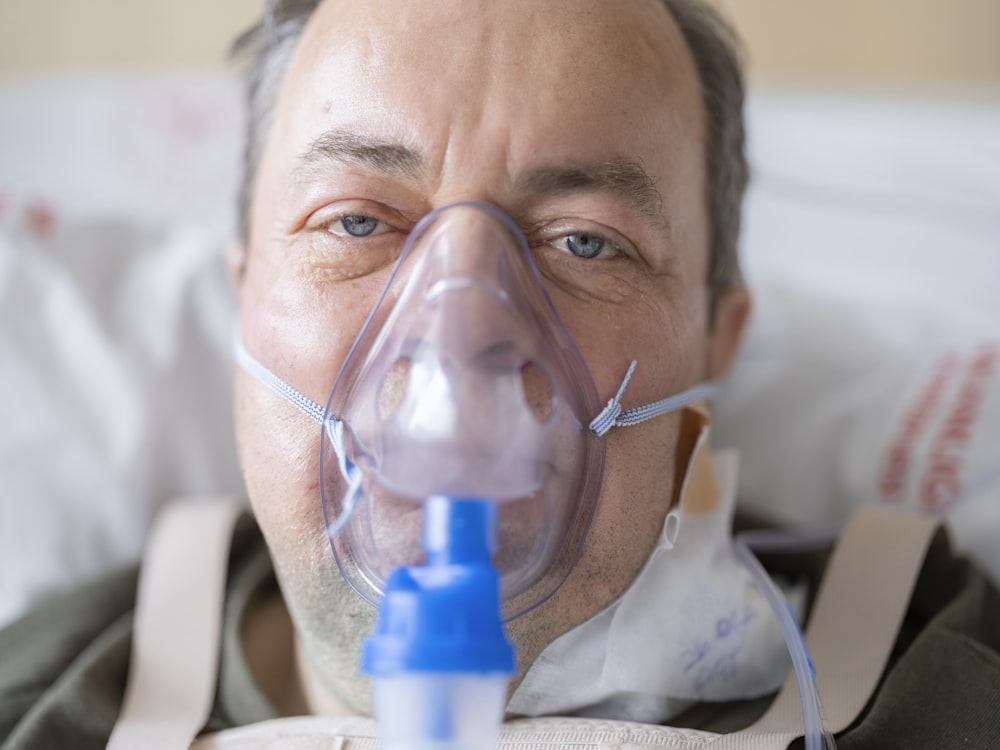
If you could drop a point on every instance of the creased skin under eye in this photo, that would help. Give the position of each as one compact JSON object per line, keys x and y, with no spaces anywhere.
{"x":349,"y":244}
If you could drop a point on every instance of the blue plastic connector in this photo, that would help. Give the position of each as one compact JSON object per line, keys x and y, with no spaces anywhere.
{"x":444,"y":616}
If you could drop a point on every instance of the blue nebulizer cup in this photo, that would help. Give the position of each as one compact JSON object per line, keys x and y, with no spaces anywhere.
{"x":439,"y":659}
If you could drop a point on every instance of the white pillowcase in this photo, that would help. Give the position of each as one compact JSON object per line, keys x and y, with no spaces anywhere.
{"x":116,"y":396}
{"x":871,"y":370}
{"x":116,"y":200}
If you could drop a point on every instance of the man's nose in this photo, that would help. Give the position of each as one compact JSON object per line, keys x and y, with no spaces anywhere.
{"x":473,"y":276}
{"x":471,"y":242}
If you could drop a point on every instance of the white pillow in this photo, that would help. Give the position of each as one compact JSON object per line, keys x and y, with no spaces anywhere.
{"x":116,"y":394}
{"x":871,"y":370}
{"x":115,"y":316}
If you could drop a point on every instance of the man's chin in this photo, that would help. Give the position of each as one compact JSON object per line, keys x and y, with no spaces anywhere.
{"x":330,"y":629}
{"x":332,"y":623}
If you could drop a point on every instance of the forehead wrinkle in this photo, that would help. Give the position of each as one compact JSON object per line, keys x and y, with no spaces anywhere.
{"x":621,"y":178}
{"x":346,"y":147}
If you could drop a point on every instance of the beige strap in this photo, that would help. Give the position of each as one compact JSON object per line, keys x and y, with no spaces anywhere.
{"x":859,"y":608}
{"x":544,"y":733}
{"x":853,"y":625}
{"x":178,"y":620}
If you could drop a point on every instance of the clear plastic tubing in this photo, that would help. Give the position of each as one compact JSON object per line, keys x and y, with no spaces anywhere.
{"x":816,"y":737}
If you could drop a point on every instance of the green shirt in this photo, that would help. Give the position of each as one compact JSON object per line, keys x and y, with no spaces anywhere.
{"x":63,"y":667}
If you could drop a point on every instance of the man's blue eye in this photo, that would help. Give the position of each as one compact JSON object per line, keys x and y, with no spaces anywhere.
{"x":584,"y":245}
{"x":359,"y":226}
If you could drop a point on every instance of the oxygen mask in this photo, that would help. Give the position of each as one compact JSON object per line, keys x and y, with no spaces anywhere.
{"x":463,"y":383}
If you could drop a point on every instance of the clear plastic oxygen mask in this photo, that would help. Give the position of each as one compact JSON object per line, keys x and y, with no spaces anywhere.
{"x":463,"y":383}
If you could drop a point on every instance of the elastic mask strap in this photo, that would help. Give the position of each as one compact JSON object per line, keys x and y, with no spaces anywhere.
{"x":333,"y":426}
{"x":613,"y":416}
{"x":245,"y":360}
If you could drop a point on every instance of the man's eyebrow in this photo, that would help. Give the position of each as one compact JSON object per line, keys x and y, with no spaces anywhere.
{"x":625,"y":179}
{"x":344,"y":146}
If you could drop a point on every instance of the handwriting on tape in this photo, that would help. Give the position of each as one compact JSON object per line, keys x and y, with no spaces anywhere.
{"x":716,"y":657}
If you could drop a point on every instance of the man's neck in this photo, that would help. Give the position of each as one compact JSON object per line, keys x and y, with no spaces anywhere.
{"x":280,"y":665}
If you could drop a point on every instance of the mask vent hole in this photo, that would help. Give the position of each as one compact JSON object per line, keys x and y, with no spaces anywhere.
{"x":393,"y":390}
{"x":537,"y":391}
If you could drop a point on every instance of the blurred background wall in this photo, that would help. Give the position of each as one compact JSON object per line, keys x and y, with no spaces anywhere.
{"x":879,"y":39}
{"x":55,"y":35}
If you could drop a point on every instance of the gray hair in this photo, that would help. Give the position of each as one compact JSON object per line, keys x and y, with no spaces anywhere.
{"x":717,"y":55}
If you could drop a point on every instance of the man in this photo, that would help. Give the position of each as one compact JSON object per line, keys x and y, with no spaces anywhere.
{"x":594,"y":124}
{"x":611,"y":133}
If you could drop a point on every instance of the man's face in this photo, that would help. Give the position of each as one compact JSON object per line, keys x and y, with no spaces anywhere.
{"x":562,"y":113}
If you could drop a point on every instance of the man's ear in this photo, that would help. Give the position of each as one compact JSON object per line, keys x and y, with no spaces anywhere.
{"x":236,"y":260}
{"x":729,"y":319}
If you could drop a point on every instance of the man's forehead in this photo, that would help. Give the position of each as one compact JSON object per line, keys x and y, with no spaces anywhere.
{"x":518,"y":15}
{"x":602,"y":41}
{"x":568,"y":64}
